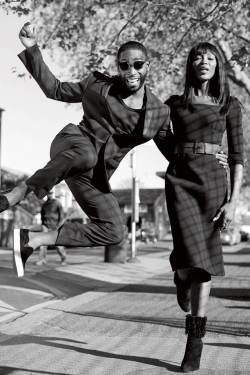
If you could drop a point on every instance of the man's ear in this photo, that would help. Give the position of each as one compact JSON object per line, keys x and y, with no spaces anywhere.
{"x":147,"y":65}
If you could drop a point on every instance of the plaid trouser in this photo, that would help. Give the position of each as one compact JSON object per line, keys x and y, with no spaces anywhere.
{"x":73,"y":157}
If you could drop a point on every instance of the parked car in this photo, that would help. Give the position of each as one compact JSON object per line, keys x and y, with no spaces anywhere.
{"x":245,"y":232}
{"x":148,"y":236}
{"x":230,"y":236}
{"x":168,"y":236}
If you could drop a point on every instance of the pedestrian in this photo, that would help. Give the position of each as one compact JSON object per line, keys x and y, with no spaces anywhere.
{"x":52,"y":217}
{"x":196,"y":186}
{"x":120,"y":112}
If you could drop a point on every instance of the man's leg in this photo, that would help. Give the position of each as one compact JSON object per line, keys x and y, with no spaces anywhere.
{"x":70,"y":153}
{"x":42,"y":256}
{"x":42,"y":250}
{"x":62,"y":254}
{"x":105,"y":226}
{"x":106,"y":222}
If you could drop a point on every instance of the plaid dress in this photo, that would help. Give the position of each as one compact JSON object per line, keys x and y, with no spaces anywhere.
{"x":196,"y":184}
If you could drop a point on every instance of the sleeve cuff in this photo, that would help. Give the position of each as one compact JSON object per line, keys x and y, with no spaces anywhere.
{"x":235,"y":159}
{"x":31,"y":50}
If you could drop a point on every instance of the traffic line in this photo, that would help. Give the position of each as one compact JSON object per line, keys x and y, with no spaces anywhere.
{"x":5,"y":306}
{"x":19,"y":313}
{"x":27,"y":290}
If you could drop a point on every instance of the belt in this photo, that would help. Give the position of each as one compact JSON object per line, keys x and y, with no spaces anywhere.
{"x":196,"y":148}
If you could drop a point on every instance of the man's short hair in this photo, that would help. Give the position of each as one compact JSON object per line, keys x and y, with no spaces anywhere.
{"x":132,"y":44}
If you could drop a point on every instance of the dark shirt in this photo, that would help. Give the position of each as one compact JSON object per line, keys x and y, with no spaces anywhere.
{"x":51,"y":212}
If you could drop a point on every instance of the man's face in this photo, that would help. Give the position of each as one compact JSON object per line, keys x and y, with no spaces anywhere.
{"x":50,"y":195}
{"x":133,"y":68}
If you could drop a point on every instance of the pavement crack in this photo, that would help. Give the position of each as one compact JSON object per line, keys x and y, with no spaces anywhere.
{"x":14,"y":319}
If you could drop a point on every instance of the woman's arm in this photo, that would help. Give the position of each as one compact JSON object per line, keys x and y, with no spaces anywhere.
{"x":235,"y":151}
{"x":236,"y":176}
{"x":32,"y":59}
{"x":226,"y":214}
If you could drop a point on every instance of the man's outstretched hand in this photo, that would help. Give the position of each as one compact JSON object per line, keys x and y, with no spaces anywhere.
{"x":27,"y":35}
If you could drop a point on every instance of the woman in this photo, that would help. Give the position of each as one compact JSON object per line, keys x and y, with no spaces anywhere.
{"x":196,"y":186}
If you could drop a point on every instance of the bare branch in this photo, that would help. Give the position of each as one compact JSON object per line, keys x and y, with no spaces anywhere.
{"x":153,"y":24}
{"x":202,"y":19}
{"x":239,"y":75}
{"x":129,"y":22}
{"x":206,"y":15}
{"x":231,"y":31}
{"x":64,"y":9}
{"x":179,"y":44}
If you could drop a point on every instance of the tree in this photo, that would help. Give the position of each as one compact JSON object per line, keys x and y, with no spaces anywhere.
{"x":84,"y":35}
{"x":90,"y":32}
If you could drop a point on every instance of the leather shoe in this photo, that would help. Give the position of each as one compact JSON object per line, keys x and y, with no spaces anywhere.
{"x":4,"y":203}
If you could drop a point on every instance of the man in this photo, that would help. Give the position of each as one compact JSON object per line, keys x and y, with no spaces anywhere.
{"x":120,"y":113}
{"x":52,"y":217}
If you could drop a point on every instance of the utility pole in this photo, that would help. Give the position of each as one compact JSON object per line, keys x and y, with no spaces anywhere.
{"x":135,"y":205}
{"x":1,"y":110}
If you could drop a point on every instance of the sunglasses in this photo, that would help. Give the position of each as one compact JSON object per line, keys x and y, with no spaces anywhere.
{"x":137,"y":65}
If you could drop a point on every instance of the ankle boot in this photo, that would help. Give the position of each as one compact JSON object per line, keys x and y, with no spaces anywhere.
{"x":195,"y":329}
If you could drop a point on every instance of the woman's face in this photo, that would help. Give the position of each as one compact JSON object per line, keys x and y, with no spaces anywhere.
{"x":204,"y":65}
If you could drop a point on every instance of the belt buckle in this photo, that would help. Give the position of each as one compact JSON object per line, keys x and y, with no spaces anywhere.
{"x":199,"y":148}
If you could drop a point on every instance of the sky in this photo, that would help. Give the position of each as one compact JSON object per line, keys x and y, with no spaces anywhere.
{"x":30,"y":121}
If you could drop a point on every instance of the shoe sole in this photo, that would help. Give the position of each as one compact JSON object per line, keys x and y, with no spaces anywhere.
{"x":17,"y":260}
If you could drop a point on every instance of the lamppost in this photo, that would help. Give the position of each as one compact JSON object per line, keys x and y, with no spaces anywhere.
{"x":135,"y":205}
{"x":1,"y":110}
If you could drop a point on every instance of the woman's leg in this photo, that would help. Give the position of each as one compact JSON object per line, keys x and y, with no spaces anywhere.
{"x":196,"y":322}
{"x":200,"y":292}
{"x":182,"y":280}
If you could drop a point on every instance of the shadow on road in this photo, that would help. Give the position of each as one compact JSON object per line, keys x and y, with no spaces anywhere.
{"x":57,"y":342}
{"x":216,"y":326}
{"x":239,"y":264}
{"x":6,"y":370}
{"x":229,"y":345}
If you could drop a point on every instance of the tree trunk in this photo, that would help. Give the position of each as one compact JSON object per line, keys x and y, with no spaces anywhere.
{"x":116,"y":253}
{"x":237,"y":74}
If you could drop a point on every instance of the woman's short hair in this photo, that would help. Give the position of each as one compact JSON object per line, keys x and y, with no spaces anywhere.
{"x":132,"y":44}
{"x":218,"y":85}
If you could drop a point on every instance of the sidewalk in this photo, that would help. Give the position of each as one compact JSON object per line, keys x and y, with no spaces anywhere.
{"x":128,"y":322}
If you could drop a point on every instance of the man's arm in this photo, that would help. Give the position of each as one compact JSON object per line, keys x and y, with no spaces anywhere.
{"x":165,"y":139}
{"x":32,"y":59}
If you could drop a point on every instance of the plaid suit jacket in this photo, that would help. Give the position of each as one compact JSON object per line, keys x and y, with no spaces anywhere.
{"x":98,"y":121}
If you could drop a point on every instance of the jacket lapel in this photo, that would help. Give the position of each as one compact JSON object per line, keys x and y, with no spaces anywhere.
{"x":150,"y":103}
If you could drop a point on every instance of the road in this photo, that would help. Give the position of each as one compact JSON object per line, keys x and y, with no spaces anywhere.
{"x":43,"y":285}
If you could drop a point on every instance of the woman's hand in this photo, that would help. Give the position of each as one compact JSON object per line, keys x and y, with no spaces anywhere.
{"x":226,"y":215}
{"x":222,"y":158}
{"x":27,"y":35}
